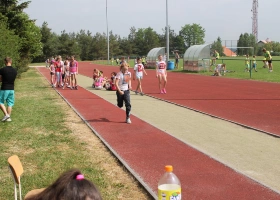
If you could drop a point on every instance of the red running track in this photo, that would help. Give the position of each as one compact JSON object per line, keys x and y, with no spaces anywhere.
{"x":145,"y":150}
{"x":250,"y":103}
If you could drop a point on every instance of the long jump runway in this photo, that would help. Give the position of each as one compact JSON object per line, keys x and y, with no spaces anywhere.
{"x":250,"y":103}
{"x":145,"y":150}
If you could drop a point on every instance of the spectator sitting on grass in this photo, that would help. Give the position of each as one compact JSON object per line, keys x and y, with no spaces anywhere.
{"x":220,"y":70}
{"x":71,"y":185}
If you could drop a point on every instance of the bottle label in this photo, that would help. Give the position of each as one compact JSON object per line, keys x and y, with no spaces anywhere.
{"x":170,"y":194}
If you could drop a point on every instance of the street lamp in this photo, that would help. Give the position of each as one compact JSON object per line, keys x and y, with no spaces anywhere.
{"x":167,"y":33}
{"x":107,"y":34}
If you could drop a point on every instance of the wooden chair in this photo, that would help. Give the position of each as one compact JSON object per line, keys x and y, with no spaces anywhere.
{"x":16,"y":169}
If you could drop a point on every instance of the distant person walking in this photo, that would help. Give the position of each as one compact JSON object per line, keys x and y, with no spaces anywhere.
{"x":268,"y":58}
{"x":254,"y":63}
{"x":161,"y":74}
{"x":216,"y":57}
{"x":177,"y":60}
{"x":7,"y":77}
{"x":73,"y":69}
{"x":247,"y":63}
{"x":138,"y":74}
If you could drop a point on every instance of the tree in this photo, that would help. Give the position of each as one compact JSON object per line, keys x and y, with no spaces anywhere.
{"x":176,"y":42}
{"x":85,"y":41}
{"x":145,"y":40}
{"x":217,"y":45}
{"x":114,"y":44}
{"x":246,"y":40}
{"x":99,"y":47}
{"x":28,"y":32}
{"x":68,"y":45}
{"x":8,"y":37}
{"x":240,"y":43}
{"x":192,"y":34}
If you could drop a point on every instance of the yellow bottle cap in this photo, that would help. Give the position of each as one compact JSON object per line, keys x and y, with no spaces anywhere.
{"x":168,"y":168}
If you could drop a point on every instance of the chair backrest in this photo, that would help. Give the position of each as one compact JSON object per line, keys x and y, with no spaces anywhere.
{"x":16,"y":167}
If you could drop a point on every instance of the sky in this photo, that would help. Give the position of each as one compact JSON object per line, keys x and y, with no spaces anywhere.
{"x":220,"y":18}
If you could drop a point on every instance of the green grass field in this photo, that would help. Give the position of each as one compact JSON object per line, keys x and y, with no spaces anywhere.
{"x":50,"y":140}
{"x":236,"y":64}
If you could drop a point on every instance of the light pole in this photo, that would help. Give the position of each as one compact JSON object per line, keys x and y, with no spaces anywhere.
{"x":108,"y":58}
{"x":167,"y":33}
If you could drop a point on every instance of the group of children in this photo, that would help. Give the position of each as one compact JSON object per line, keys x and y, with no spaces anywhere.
{"x":220,"y":69}
{"x":99,"y":81}
{"x":247,"y":63}
{"x":267,"y":62}
{"x":123,"y":82}
{"x":63,"y":73}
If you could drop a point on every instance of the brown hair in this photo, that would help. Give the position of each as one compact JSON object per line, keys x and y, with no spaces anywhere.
{"x":68,"y":187}
{"x":123,"y":65}
{"x":8,"y":60}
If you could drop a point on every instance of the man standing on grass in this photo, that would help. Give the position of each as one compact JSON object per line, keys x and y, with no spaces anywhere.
{"x":268,"y":58}
{"x":7,"y":77}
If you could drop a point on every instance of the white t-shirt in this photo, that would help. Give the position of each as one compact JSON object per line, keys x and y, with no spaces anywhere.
{"x":161,"y":67}
{"x":138,"y":68}
{"x":123,"y":80}
{"x":218,"y":67}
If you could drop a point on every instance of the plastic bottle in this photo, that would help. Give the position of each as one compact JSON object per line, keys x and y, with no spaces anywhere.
{"x":169,"y":186}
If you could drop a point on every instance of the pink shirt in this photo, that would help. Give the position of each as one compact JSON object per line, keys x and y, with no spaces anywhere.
{"x":73,"y":67}
{"x":52,"y":68}
{"x":98,"y":83}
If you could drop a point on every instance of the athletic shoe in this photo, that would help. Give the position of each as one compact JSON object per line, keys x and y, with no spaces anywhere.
{"x":141,"y":93}
{"x":164,"y":90}
{"x":136,"y":92}
{"x":71,"y":88}
{"x":76,"y":87}
{"x":68,"y":86}
{"x":128,"y":121}
{"x":5,"y":118}
{"x":9,"y":120}
{"x":161,"y":92}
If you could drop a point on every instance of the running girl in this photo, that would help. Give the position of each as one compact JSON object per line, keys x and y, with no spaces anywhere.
{"x":123,"y":84}
{"x":73,"y":68}
{"x":161,"y":74}
{"x":138,"y":73}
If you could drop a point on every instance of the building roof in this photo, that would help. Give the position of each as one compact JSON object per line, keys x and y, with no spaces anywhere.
{"x":229,"y":52}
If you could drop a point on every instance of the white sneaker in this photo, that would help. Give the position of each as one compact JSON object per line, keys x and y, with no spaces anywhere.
{"x":5,"y":118}
{"x":128,"y":121}
{"x":9,"y":120}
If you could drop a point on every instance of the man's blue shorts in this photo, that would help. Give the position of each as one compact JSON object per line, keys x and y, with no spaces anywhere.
{"x":8,"y":96}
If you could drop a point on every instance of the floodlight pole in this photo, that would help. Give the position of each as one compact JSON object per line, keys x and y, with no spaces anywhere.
{"x":108,"y":58}
{"x":167,"y":33}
